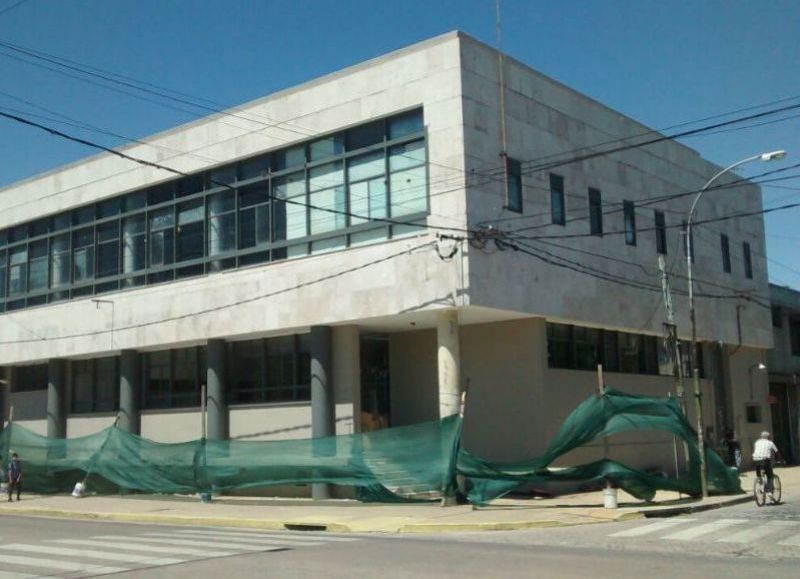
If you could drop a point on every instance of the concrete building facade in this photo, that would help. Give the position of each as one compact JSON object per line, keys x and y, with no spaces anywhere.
{"x":355,"y":252}
{"x":783,"y":366}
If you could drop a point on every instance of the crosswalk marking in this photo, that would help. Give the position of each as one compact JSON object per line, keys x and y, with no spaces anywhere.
{"x":167,"y":539}
{"x":694,"y":532}
{"x":285,"y":535}
{"x":62,"y":565}
{"x":99,"y":542}
{"x":287,"y":542}
{"x":791,"y":541}
{"x":652,"y":528}
{"x":757,"y":531}
{"x":91,"y":554}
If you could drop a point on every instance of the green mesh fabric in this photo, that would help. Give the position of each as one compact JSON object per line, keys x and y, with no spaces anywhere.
{"x":597,"y":417}
{"x":407,"y":463}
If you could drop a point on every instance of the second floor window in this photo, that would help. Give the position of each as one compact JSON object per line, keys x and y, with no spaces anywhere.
{"x":514,"y":183}
{"x":595,"y":212}
{"x":748,"y":260}
{"x":558,"y":212}
{"x":629,"y":215}
{"x":726,"y":253}
{"x":661,"y":233}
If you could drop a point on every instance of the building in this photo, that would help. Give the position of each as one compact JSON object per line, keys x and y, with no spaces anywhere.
{"x":783,"y":365}
{"x":311,"y":258}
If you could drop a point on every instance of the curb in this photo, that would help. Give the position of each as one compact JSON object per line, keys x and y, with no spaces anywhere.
{"x":682,"y":510}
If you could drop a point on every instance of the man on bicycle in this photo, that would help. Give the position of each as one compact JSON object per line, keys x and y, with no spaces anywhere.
{"x":764,"y":451}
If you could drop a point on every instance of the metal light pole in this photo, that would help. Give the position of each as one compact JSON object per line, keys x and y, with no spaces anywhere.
{"x":771,"y":156}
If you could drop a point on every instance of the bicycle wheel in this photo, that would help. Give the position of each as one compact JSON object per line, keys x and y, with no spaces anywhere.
{"x":758,"y":492}
{"x":775,"y":495}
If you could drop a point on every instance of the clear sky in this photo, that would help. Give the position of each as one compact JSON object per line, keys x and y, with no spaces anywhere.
{"x":660,"y":62}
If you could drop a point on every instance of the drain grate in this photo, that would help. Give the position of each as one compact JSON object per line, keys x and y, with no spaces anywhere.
{"x":304,"y":527}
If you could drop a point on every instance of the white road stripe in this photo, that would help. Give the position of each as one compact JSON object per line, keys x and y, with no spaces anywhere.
{"x":13,"y":575}
{"x":99,"y":542}
{"x":757,"y":531}
{"x":301,"y":536}
{"x":694,"y":532}
{"x":652,"y":528}
{"x":287,"y":542}
{"x":167,"y":539}
{"x":791,"y":541}
{"x":91,"y":554}
{"x":62,"y":565}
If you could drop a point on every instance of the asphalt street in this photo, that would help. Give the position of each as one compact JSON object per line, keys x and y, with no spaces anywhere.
{"x":740,"y":541}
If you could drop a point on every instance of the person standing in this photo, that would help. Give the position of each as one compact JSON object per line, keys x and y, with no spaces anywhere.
{"x":14,"y":475}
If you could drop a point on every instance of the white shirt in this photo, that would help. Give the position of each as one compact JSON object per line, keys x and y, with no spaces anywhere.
{"x":764,"y":449}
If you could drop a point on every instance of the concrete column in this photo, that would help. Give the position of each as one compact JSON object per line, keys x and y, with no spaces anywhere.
{"x":217,"y":406}
{"x":346,"y":364}
{"x":5,"y":387}
{"x":449,"y":362}
{"x":56,"y":391}
{"x":130,"y":378}
{"x":322,"y":422}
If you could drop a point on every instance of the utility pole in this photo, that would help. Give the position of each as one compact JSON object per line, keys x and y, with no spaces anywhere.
{"x":674,"y":350}
{"x":672,"y":331}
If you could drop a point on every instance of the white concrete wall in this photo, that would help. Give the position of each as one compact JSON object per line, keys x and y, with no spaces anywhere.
{"x":544,"y":118}
{"x":273,"y":422}
{"x":83,"y":425}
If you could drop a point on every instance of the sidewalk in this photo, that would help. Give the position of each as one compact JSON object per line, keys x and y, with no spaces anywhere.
{"x":343,"y":516}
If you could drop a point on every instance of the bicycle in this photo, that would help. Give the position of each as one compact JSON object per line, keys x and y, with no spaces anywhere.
{"x":760,"y":491}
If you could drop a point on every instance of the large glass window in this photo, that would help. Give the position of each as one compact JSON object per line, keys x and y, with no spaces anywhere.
{"x":271,"y":370}
{"x":174,"y":378}
{"x":361,"y":177}
{"x":408,"y":179}
{"x":162,"y":240}
{"x":190,"y":231}
{"x":37,"y":268}
{"x":29,"y":378}
{"x":108,"y":249}
{"x":83,"y":254}
{"x":60,"y":253}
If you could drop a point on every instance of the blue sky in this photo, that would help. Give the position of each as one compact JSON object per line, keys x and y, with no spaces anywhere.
{"x":660,"y":62}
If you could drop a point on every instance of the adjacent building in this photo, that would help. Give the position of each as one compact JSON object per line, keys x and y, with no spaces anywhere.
{"x":783,"y":365}
{"x":354,"y":252}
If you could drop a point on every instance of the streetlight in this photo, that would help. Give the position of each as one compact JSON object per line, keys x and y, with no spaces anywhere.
{"x":771,"y":156}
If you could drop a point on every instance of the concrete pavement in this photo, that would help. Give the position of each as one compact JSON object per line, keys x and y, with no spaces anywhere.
{"x":351,"y":516}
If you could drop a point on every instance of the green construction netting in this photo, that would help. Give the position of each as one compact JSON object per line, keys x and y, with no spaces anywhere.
{"x":597,"y":417}
{"x":410,"y":462}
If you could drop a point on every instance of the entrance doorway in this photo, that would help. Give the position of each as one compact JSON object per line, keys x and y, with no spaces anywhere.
{"x":781,"y":420}
{"x":375,"y":403}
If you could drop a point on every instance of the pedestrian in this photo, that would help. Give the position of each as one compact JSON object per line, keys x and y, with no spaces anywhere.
{"x":14,"y":475}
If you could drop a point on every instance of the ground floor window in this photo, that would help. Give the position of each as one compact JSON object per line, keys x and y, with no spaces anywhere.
{"x":95,"y":385}
{"x":579,"y":348}
{"x":28,"y":378}
{"x":270,"y":370}
{"x":174,"y":378}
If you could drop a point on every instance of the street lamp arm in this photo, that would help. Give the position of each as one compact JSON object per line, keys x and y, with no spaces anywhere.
{"x":714,"y":178}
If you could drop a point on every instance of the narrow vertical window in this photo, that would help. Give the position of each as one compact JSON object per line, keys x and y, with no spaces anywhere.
{"x":630,"y":222}
{"x":558,"y":211}
{"x":514,"y":179}
{"x":595,"y":212}
{"x":726,"y":253}
{"x":661,"y":233}
{"x":748,"y":261}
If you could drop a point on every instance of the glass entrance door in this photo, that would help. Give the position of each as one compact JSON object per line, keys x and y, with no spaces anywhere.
{"x":375,"y":406}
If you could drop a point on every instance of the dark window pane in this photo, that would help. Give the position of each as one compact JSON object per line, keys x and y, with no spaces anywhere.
{"x":107,"y":384}
{"x":748,"y":261}
{"x":83,"y":215}
{"x":365,"y":135}
{"x":514,"y":179}
{"x":558,"y":213}
{"x":587,"y":348}
{"x":221,"y":176}
{"x":661,"y":233}
{"x":327,"y":147}
{"x":595,"y":212}
{"x":161,"y":193}
{"x":629,"y":215}
{"x":61,"y":221}
{"x":288,"y":158}
{"x":158,"y":380}
{"x":190,"y":185}
{"x":135,"y":200}
{"x":559,"y":346}
{"x":406,"y":124}
{"x":255,"y":167}
{"x":109,"y":208}
{"x":82,"y":386}
{"x":726,"y":253}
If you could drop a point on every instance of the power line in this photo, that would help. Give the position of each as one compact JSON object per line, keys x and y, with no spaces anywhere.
{"x":57,"y":133}
{"x":10,"y":8}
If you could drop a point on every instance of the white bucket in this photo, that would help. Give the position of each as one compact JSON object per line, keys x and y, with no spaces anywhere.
{"x":610,"y":498}
{"x":77,"y":492}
